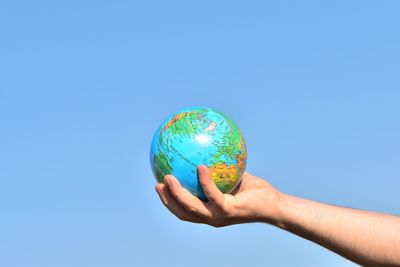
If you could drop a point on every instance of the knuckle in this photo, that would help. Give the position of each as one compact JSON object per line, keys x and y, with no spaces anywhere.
{"x":212,"y":198}
{"x":192,"y":209}
{"x":203,"y":184}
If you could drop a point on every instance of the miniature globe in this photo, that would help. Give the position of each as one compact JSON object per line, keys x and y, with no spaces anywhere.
{"x":199,"y":136}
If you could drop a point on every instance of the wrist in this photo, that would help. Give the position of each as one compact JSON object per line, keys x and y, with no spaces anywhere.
{"x":292,"y":212}
{"x":282,"y":211}
{"x":274,"y":211}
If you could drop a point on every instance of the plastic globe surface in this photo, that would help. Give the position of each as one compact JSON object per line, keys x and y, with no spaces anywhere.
{"x":199,"y":136}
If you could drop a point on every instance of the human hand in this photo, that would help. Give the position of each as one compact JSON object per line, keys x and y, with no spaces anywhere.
{"x":254,"y":200}
{"x":367,"y":238}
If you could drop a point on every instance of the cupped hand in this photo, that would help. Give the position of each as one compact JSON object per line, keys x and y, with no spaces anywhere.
{"x":254,"y":200}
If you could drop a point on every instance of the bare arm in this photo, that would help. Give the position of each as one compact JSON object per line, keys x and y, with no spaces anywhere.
{"x":367,"y":238}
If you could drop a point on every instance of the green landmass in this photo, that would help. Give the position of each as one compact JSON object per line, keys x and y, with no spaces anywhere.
{"x":187,"y":124}
{"x":161,"y":166}
{"x":230,"y":143}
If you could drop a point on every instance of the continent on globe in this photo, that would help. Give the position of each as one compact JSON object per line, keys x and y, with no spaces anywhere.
{"x":199,"y":136}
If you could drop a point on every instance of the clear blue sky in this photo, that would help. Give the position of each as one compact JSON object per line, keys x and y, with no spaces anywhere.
{"x":315,"y":88}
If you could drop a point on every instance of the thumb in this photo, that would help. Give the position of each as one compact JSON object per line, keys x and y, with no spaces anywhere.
{"x":210,"y":189}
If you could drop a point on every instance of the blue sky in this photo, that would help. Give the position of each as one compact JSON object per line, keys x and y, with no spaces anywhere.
{"x":313,"y":86}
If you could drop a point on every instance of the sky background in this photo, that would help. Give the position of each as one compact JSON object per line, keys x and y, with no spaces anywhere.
{"x":314,"y":87}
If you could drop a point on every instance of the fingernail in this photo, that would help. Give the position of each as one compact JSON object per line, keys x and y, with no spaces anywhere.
{"x":167,"y":179}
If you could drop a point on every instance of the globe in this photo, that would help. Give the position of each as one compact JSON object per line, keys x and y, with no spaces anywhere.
{"x":199,"y":136}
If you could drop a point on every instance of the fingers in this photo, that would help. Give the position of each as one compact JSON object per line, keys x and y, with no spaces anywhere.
{"x":172,"y":205}
{"x":186,"y":199}
{"x":210,"y":189}
{"x":218,"y":211}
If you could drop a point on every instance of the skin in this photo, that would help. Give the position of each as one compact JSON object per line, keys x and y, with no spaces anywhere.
{"x":367,"y":238}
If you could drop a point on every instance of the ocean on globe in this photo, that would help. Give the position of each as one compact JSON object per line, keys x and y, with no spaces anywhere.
{"x":199,"y":136}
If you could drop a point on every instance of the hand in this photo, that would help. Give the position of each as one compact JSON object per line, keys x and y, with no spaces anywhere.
{"x":254,"y":200}
{"x":367,"y":238}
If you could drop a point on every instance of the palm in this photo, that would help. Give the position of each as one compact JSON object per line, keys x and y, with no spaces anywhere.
{"x":253,"y":200}
{"x":254,"y":195}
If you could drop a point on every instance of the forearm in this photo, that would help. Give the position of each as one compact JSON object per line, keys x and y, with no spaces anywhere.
{"x":368,"y":238}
